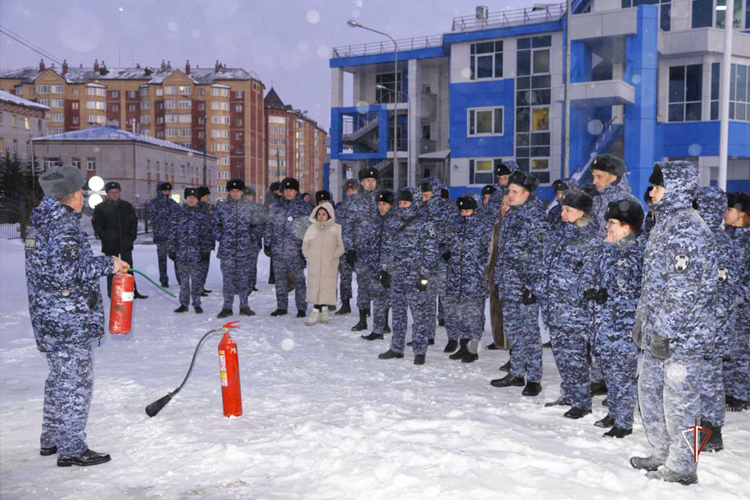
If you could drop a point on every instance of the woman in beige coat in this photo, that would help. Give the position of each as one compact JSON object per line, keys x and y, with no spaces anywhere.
{"x":322,"y":246}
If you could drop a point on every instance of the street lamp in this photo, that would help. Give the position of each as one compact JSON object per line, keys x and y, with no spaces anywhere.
{"x":354,"y":24}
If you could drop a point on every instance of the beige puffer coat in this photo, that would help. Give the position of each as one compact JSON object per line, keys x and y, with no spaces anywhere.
{"x":322,"y":246}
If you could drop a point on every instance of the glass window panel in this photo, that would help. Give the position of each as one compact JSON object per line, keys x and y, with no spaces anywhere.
{"x":484,"y":122}
{"x":676,"y":84}
{"x":740,"y":110}
{"x":499,"y":46}
{"x":636,"y":3}
{"x":483,"y":165}
{"x":523,"y":164}
{"x":483,"y":178}
{"x":715,"y":72}
{"x":542,"y":176}
{"x":484,"y":67}
{"x":665,"y":19}
{"x":540,"y":139}
{"x":694,"y":89}
{"x":715,"y":110}
{"x":522,"y":120}
{"x":540,"y":97}
{"x":541,"y":82}
{"x":732,"y":82}
{"x":541,"y":61}
{"x":540,"y":164}
{"x":702,"y":13}
{"x":485,"y":48}
{"x":625,"y":4}
{"x":523,"y":98}
{"x":676,"y":112}
{"x":498,"y":126}
{"x":499,"y":65}
{"x":541,"y":41}
{"x":471,"y":123}
{"x":540,"y":119}
{"x":523,"y":63}
{"x":523,"y":139}
{"x":741,"y":83}
{"x":522,"y":152}
{"x":473,"y":48}
{"x":523,"y":82}
{"x":524,"y":43}
{"x":731,"y":111}
{"x":540,"y":151}
{"x":473,"y":69}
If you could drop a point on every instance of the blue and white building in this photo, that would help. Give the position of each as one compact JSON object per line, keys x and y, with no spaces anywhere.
{"x":645,"y":80}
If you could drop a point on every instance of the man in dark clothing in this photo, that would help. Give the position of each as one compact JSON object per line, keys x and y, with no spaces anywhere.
{"x":116,"y":225}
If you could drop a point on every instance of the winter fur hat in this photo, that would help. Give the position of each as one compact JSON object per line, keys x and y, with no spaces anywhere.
{"x":405,"y":195}
{"x":575,"y":198}
{"x":656,"y":178}
{"x":625,"y":211}
{"x":112,"y":185}
{"x":192,"y":192}
{"x":445,"y":194}
{"x":275,"y":186}
{"x":236,"y":184}
{"x":164,"y":186}
{"x":590,"y":189}
{"x":351,"y":184}
{"x":386,"y":196}
{"x":368,"y":173}
{"x":502,"y":169}
{"x":740,"y":201}
{"x":559,"y":185}
{"x":488,"y":189}
{"x":466,"y":202}
{"x":203,"y":191}
{"x":322,"y":196}
{"x":59,"y":182}
{"x":526,"y":181}
{"x":290,"y":183}
{"x":249,"y":191}
{"x":610,"y":164}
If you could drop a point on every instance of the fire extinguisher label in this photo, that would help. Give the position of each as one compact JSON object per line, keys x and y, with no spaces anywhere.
{"x":128,"y":296}
{"x":224,"y":382}
{"x":223,"y":369}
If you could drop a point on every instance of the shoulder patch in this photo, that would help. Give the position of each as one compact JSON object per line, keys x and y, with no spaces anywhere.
{"x":540,"y":236}
{"x":723,"y":274}
{"x":30,"y":243}
{"x":681,"y":263}
{"x":71,"y":252}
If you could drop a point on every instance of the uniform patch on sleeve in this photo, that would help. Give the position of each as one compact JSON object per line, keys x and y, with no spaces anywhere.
{"x":681,"y":263}
{"x":71,"y":252}
{"x":30,"y":243}
{"x":540,"y":236}
{"x":723,"y":274}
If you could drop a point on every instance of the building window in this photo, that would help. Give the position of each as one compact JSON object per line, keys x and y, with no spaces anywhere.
{"x":533,"y":97}
{"x":238,"y":122}
{"x":486,"y":60}
{"x":58,"y":103}
{"x":96,"y":91}
{"x":665,"y":10}
{"x":13,"y":121}
{"x":51,"y":162}
{"x":145,"y":104}
{"x":186,"y":104}
{"x":145,"y":119}
{"x":74,"y":105}
{"x":184,"y":118}
{"x":58,"y":117}
{"x":58,"y":89}
{"x":171,"y":132}
{"x":185,"y":132}
{"x":77,"y":163}
{"x":484,"y":121}
{"x":238,"y":94}
{"x":185,"y":89}
{"x":131,"y":107}
{"x":277,"y":119}
{"x":27,"y":123}
{"x":114,"y":107}
{"x":223,"y":106}
{"x":91,"y":164}
{"x":171,"y":118}
{"x":19,"y":90}
{"x":384,"y":88}
{"x":146,"y":132}
{"x":238,"y":136}
{"x":170,"y":104}
{"x":75,"y":121}
{"x":96,"y":105}
{"x":202,"y":92}
{"x":43,"y":102}
{"x":201,"y":106}
{"x":116,"y":93}
{"x":685,"y":88}
{"x":42,"y":89}
{"x":220,"y":92}
{"x":739,"y":92}
{"x":170,"y":90}
{"x":182,"y":171}
{"x":238,"y":108}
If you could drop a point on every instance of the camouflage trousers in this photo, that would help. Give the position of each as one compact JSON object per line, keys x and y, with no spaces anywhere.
{"x":204,"y":272}
{"x":381,"y":302}
{"x":191,"y":282}
{"x":364,"y":285}
{"x":619,"y":362}
{"x":67,"y":398}
{"x":436,"y":289}
{"x":162,"y":253}
{"x":405,"y":296}
{"x":737,"y":369}
{"x":712,"y":391}
{"x":234,"y":281}
{"x":464,"y":318}
{"x":521,"y":327}
{"x":345,"y":285}
{"x":252,"y":271}
{"x":570,"y":349}
{"x":283,"y":265}
{"x":669,"y":396}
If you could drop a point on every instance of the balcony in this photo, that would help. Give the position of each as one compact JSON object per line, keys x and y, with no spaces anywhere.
{"x":599,"y":93}
{"x":505,"y":18}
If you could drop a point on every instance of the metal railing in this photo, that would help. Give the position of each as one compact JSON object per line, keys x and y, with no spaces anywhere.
{"x":10,"y":231}
{"x":385,"y":47}
{"x":502,"y":18}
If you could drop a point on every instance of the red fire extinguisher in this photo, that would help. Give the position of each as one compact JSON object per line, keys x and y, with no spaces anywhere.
{"x":229,"y":367}
{"x":121,"y":309}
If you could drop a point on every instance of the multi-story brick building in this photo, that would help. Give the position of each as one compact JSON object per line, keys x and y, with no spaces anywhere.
{"x":217,"y":108}
{"x":20,"y":121}
{"x":295,"y":145}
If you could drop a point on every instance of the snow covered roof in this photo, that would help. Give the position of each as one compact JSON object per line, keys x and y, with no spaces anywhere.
{"x":20,"y":101}
{"x":109,"y":134}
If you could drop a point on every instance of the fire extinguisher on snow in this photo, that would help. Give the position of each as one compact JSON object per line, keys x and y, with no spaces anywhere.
{"x":229,"y":371}
{"x":121,"y":308}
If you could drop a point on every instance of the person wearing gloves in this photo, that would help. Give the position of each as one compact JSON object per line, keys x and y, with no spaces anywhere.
{"x":322,"y":246}
{"x":160,"y":211}
{"x":674,"y":322}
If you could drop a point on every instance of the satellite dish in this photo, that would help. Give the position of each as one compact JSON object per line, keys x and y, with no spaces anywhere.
{"x":96,"y":183}
{"x":95,"y":199}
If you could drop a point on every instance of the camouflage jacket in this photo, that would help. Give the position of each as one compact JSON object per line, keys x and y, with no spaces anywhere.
{"x":160,"y":211}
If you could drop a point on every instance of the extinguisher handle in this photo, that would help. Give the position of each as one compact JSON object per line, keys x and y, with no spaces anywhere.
{"x":230,"y":325}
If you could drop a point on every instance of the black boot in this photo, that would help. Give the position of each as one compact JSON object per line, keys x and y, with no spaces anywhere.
{"x":279,"y":312}
{"x":224,"y":313}
{"x":246,"y":311}
{"x":617,"y":432}
{"x":441,"y":322}
{"x":373,"y":336}
{"x":451,"y":346}
{"x":367,"y":312}
{"x":507,"y":381}
{"x":390,"y":355}
{"x":88,"y":457}
{"x":471,"y":354}
{"x":598,"y":388}
{"x":606,"y":422}
{"x":46,"y":452}
{"x":533,"y":389}
{"x":576,"y":413}
{"x":715,"y":441}
{"x":362,"y":324}
{"x":386,"y":329}
{"x":419,"y":359}
{"x":198,"y":310}
{"x":344,"y":309}
{"x":181,"y":309}
{"x":301,"y":313}
{"x":462,"y":350}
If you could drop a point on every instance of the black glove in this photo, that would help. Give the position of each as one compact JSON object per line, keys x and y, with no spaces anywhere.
{"x":447,"y":255}
{"x":637,"y":332}
{"x":601,"y":296}
{"x":351,"y":258}
{"x":422,"y":283}
{"x":659,"y":347}
{"x":528,"y":297}
{"x":267,"y":250}
{"x":205,"y":257}
{"x":589,"y":294}
{"x":172,"y":255}
{"x":385,"y":279}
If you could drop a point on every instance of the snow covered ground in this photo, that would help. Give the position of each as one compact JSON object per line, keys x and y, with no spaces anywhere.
{"x":323,"y":417}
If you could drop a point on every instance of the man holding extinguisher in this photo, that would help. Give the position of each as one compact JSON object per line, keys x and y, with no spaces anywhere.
{"x":62,"y":276}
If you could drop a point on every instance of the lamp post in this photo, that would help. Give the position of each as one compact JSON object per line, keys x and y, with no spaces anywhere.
{"x":354,"y":24}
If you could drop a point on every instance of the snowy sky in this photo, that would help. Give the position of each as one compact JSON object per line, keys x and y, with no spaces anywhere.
{"x":286,"y":42}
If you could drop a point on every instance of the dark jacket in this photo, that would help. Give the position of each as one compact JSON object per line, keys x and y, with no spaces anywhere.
{"x":116,"y":225}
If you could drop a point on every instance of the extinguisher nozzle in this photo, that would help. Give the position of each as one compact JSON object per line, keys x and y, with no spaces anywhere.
{"x":156,"y":406}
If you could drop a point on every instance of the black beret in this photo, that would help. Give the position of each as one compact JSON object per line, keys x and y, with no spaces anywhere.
{"x":236,"y":184}
{"x":163,"y":186}
{"x":610,"y":164}
{"x":488,"y":189}
{"x":368,"y":173}
{"x":192,"y":192}
{"x":405,"y":195}
{"x":502,"y":169}
{"x":59,"y":182}
{"x":112,"y":185}
{"x":466,"y":202}
{"x":526,"y":181}
{"x":741,"y":201}
{"x":445,"y":194}
{"x":275,"y":186}
{"x":321,"y":196}
{"x":386,"y":196}
{"x":203,"y":191}
{"x":351,"y":184}
{"x":575,"y":198}
{"x":656,"y":178}
{"x":647,"y":195}
{"x":290,"y":183}
{"x":559,"y":185}
{"x":625,"y":211}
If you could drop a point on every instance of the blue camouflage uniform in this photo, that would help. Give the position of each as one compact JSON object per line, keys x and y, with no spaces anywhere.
{"x":260,"y":214}
{"x":466,"y":287}
{"x":616,"y":268}
{"x":384,"y":228}
{"x":520,"y":248}
{"x":285,"y":229}
{"x":160,"y":211}
{"x":345,"y":271}
{"x":238,"y":233}
{"x":191,"y":239}
{"x":413,"y":252}
{"x":65,"y":306}
{"x":566,"y":250}
{"x":360,"y":215}
{"x":618,"y":190}
{"x":675,"y":319}
{"x":205,"y":264}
